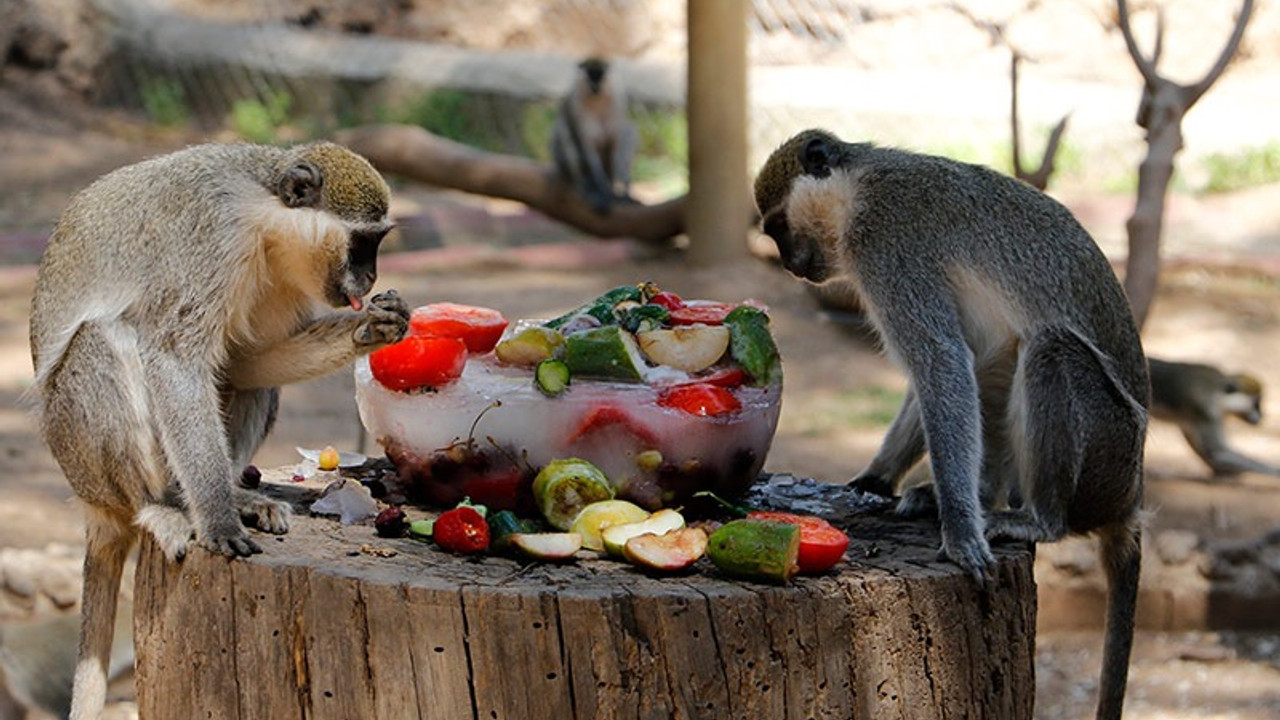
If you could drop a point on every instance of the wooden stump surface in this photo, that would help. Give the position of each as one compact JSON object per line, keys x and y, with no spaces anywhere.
{"x":331,"y":621}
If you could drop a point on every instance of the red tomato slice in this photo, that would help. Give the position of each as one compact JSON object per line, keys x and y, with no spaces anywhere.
{"x":822,"y":544}
{"x":461,"y":530}
{"x":700,"y":311}
{"x":419,"y":361}
{"x":730,"y":377}
{"x":607,"y":416}
{"x":708,"y":312}
{"x":479,"y":327}
{"x":699,"y":399}
{"x":670,"y":301}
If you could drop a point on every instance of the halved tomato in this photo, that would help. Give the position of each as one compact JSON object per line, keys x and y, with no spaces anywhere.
{"x":822,"y":544}
{"x":668,"y":300}
{"x":419,"y":361}
{"x":707,"y":312}
{"x":699,"y":399}
{"x":479,"y":327}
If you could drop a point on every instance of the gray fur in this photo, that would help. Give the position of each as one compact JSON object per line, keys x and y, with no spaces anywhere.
{"x":592,"y":140}
{"x":1028,"y":384}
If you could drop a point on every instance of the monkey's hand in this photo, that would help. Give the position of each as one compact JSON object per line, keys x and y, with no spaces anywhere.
{"x":227,"y":538}
{"x":386,"y":319}
{"x":874,"y":483}
{"x":970,"y":551}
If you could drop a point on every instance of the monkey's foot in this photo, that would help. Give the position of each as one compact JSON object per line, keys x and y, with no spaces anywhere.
{"x":1019,"y":525}
{"x":385,"y":321}
{"x":228,"y":539}
{"x":169,"y":526}
{"x":917,"y":502}
{"x":262,"y":512}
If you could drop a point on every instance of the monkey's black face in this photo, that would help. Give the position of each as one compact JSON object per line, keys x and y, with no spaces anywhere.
{"x":361,"y":267}
{"x":798,"y":256}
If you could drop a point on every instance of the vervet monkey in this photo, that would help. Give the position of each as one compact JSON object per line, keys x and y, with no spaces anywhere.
{"x":592,"y":140}
{"x":175,"y":296}
{"x":1023,"y":360}
{"x":1198,"y":398}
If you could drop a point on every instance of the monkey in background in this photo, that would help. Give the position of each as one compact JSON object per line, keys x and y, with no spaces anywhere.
{"x":1024,"y":362}
{"x":592,"y":140}
{"x":1198,"y":398}
{"x":174,"y":298}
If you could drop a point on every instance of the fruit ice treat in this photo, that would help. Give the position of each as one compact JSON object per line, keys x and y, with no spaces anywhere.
{"x":666,"y":396}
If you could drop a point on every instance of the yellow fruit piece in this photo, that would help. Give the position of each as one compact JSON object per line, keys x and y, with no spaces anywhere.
{"x":328,"y":458}
{"x":663,"y":521}
{"x":596,"y":517}
{"x":691,"y":348}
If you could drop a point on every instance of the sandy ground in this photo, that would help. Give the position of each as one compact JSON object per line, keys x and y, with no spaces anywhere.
{"x":839,"y":395}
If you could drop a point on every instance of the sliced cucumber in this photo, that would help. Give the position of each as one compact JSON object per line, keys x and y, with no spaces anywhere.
{"x":565,"y":486}
{"x":605,"y":352}
{"x":551,"y":377}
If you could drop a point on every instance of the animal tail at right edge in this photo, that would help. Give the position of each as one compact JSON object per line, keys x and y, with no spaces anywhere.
{"x":106,"y":550}
{"x":1121,"y":551}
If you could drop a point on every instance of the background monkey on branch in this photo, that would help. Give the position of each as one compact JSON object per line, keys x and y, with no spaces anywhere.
{"x":592,"y":140}
{"x":174,"y":298}
{"x":1027,"y":377}
{"x":1198,"y":398}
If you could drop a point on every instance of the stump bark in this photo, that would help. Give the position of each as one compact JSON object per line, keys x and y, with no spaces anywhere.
{"x":331,"y":621}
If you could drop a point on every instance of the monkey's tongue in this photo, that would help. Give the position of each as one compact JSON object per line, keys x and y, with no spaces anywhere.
{"x":357,"y":303}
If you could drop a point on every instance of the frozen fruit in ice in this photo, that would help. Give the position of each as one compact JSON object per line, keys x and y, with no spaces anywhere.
{"x":530,"y":346}
{"x":607,"y":352}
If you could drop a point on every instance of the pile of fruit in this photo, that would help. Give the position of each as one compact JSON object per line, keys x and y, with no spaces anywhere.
{"x":578,"y":512}
{"x":668,"y":396}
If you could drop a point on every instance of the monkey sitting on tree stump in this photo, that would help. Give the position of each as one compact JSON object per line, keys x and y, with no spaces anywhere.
{"x":1028,"y":385}
{"x":174,"y":298}
{"x":592,"y":140}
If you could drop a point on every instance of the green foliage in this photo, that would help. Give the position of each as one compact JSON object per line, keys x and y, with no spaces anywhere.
{"x":453,"y":114}
{"x":260,"y":122}
{"x":662,"y":147}
{"x":1246,"y":168}
{"x":165,"y":102}
{"x":535,"y":129}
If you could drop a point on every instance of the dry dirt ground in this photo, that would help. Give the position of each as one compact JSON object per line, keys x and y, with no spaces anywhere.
{"x":839,"y":393}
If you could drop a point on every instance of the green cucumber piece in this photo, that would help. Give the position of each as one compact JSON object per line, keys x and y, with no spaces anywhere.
{"x":601,"y":308}
{"x":502,"y":525}
{"x":642,"y":318}
{"x":756,"y":550}
{"x":551,"y":377}
{"x":751,"y":344}
{"x":605,"y":352}
{"x":421,"y":529}
{"x":565,"y":486}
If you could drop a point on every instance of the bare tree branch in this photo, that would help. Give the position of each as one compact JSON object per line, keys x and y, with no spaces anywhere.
{"x":1146,"y":67}
{"x":1038,"y":178}
{"x":1228,"y":52}
{"x":414,"y":153}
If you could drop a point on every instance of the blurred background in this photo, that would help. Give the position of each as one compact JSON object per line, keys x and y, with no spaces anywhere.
{"x":89,"y":85}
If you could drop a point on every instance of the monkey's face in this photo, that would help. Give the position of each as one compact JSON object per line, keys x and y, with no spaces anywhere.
{"x":353,"y":198}
{"x":1242,"y":397}
{"x":807,"y":201}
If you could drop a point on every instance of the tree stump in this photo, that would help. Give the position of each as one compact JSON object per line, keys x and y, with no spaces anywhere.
{"x":331,"y":621}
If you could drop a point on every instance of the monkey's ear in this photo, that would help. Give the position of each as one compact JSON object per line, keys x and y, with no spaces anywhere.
{"x":300,"y":186}
{"x":816,"y":157}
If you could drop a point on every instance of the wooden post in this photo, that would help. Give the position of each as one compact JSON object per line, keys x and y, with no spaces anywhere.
{"x":331,"y":621}
{"x":720,"y":207}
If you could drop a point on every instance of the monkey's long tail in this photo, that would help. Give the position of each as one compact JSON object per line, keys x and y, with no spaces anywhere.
{"x":108,"y":543}
{"x":1121,"y":551}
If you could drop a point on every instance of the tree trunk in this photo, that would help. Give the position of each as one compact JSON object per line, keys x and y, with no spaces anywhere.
{"x":1146,"y":226}
{"x":321,"y":625}
{"x":413,"y":153}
